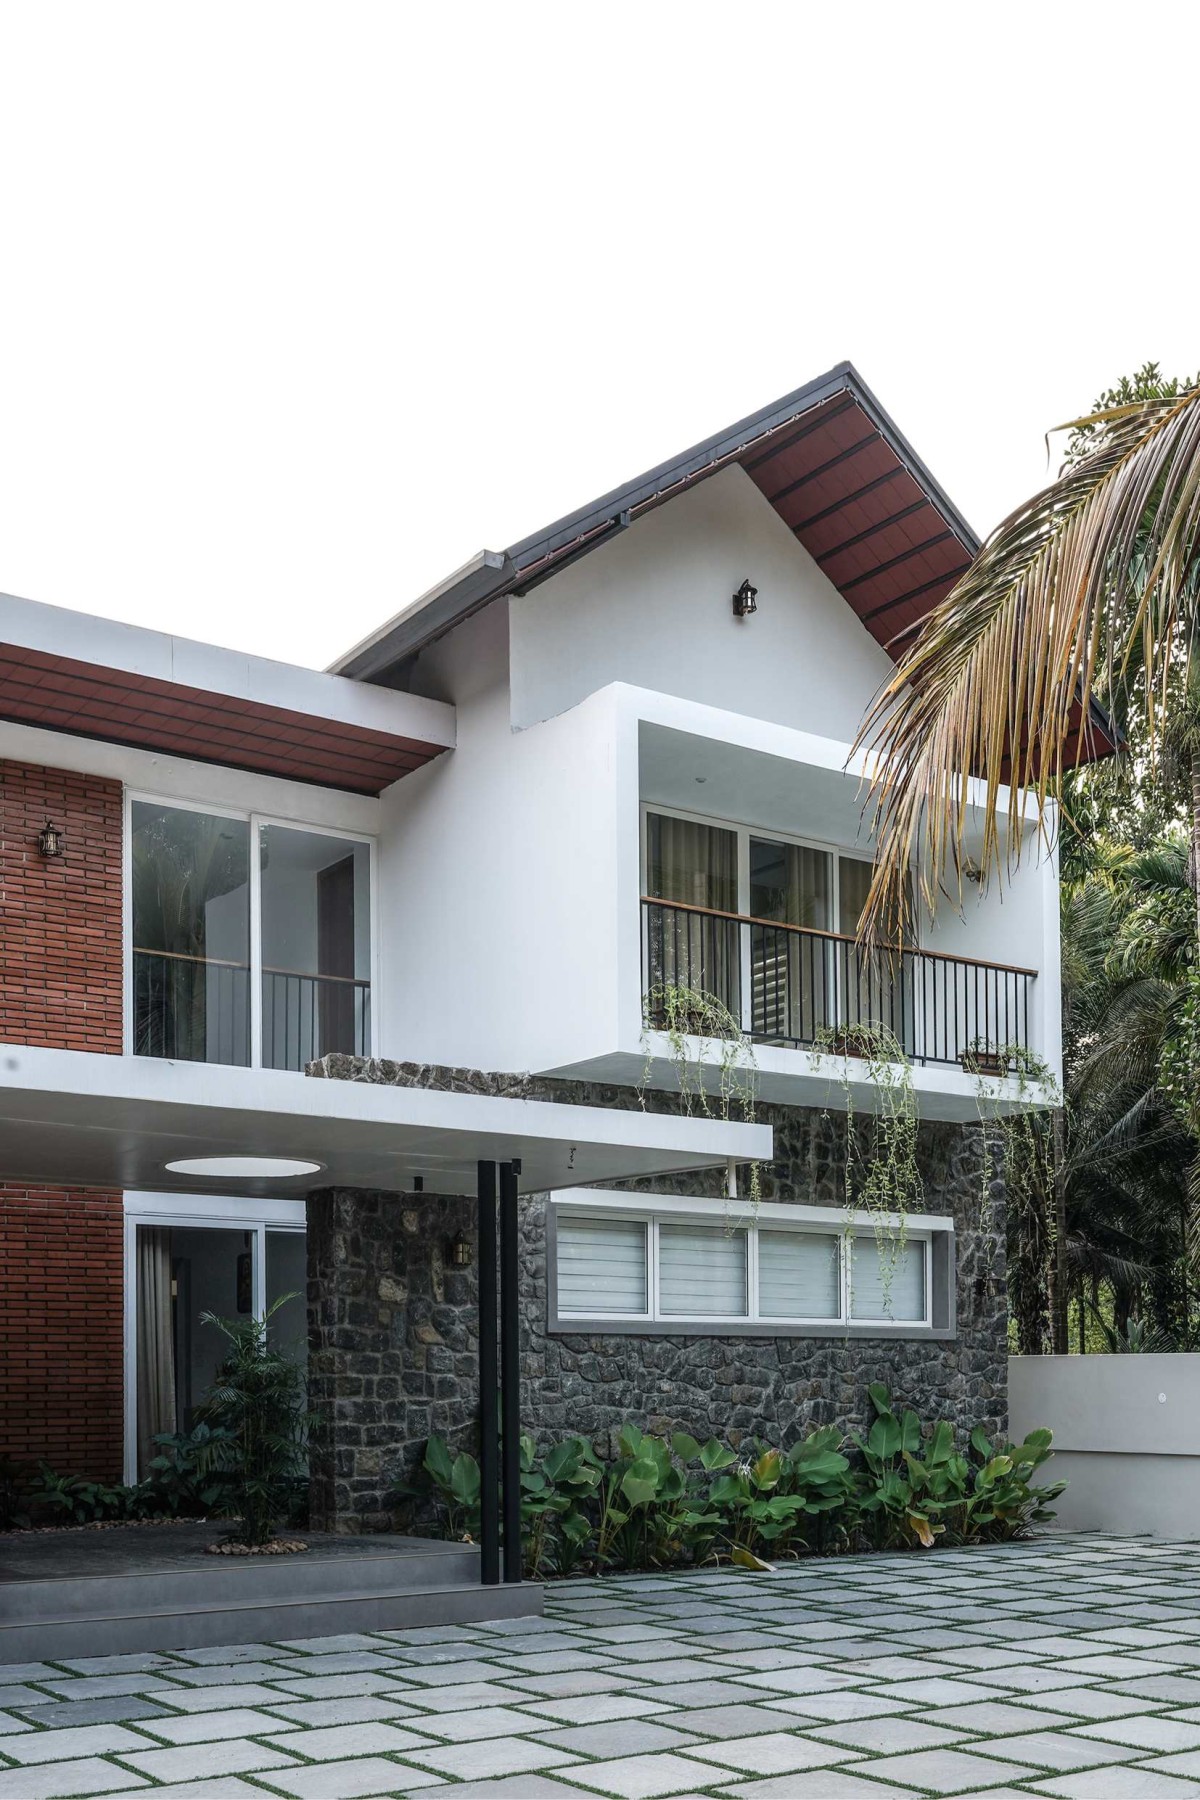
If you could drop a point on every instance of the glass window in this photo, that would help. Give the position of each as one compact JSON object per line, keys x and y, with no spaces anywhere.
{"x":191,"y":935}
{"x":799,"y":1275}
{"x":792,"y":974}
{"x":692,"y":863}
{"x":602,"y":1266}
{"x":692,"y":952}
{"x":287,"y":1274}
{"x":887,"y":1281}
{"x":316,"y":946}
{"x":702,"y":1272}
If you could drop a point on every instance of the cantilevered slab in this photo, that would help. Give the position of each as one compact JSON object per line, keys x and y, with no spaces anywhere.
{"x":67,"y":671}
{"x":68,"y":1117}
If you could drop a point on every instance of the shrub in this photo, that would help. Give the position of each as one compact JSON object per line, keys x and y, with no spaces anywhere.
{"x":257,"y":1416}
{"x":676,"y":1503}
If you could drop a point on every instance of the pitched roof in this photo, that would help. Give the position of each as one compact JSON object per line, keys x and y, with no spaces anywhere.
{"x":837,"y":471}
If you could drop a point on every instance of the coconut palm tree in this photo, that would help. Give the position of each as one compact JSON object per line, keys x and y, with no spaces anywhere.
{"x":1091,"y":588}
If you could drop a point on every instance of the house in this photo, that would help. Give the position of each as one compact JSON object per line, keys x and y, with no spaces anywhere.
{"x":288,"y":958}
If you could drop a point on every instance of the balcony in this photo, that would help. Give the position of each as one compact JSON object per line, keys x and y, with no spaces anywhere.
{"x":801,"y":988}
{"x":197,"y":1009}
{"x":251,"y":939}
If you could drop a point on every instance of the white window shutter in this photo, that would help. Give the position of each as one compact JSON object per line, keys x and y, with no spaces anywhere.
{"x":799,"y":1275}
{"x":602,"y":1266}
{"x":888,"y":1284}
{"x":702,"y":1272}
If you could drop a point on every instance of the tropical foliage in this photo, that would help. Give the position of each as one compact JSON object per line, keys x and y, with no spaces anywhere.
{"x":673,"y":1502}
{"x":1088,"y":590}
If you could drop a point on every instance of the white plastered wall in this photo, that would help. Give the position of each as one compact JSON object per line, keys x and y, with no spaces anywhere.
{"x":501,"y":875}
{"x":653,"y":607}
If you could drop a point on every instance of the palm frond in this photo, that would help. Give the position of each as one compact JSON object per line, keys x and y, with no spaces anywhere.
{"x":1091,"y":571}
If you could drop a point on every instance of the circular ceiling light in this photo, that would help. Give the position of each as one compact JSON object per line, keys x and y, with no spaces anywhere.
{"x":243,"y":1168}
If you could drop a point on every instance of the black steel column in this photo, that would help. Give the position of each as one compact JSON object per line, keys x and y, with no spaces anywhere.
{"x":489,"y":1469}
{"x":510,"y":1370}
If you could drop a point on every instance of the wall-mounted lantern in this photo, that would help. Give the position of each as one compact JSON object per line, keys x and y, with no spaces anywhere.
{"x":462,"y":1251}
{"x":51,"y":841}
{"x":745,"y":601}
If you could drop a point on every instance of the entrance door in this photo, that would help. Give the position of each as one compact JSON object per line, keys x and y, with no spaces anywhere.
{"x":181,"y":1265}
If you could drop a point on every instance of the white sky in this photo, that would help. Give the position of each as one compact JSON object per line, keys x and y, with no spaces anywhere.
{"x":302,"y":304}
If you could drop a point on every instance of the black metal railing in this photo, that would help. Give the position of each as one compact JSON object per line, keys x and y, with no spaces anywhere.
{"x":197,"y":1009}
{"x":308,"y":1016}
{"x":191,"y":1008}
{"x":791,"y":985}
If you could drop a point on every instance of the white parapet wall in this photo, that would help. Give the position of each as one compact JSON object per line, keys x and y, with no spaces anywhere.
{"x":1126,"y":1438}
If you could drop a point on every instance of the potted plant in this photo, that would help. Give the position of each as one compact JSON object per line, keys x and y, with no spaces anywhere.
{"x":982,"y":1058}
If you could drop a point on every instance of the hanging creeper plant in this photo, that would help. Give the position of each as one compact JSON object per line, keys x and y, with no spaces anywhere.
{"x":882,"y":1176}
{"x":721,"y":1086}
{"x":1021,"y":1147}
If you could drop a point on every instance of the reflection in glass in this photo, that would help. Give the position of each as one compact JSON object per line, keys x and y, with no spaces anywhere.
{"x":191,"y":935}
{"x":316,"y":946}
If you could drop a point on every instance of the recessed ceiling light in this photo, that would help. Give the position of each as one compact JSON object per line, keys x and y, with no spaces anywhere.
{"x":243,"y":1168}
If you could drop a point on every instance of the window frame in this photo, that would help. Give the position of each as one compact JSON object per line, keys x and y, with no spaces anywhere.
{"x":934,"y":1233}
{"x":205,"y":1212}
{"x":253,"y":819}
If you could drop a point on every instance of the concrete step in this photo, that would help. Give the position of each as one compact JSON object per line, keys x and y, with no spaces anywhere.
{"x":70,"y":1595}
{"x":295,"y":1616}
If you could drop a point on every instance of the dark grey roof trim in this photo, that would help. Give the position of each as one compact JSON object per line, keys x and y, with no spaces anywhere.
{"x":536,"y":558}
{"x":592,"y":524}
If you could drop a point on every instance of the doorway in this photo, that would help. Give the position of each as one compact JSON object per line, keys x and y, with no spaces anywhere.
{"x":186,"y":1256}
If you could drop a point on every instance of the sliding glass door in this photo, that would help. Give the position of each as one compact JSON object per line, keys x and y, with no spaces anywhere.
{"x":315,"y":900}
{"x":177,"y":1270}
{"x":251,"y":939}
{"x":190,"y":902}
{"x":691,"y":927}
{"x":765,"y":924}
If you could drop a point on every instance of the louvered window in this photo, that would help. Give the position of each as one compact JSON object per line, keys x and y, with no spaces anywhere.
{"x":702,"y":1272}
{"x":799,"y":1275}
{"x":602,"y":1266}
{"x":724,"y":1264}
{"x":887,"y":1281}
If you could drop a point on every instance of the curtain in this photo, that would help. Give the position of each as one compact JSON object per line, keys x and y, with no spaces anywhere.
{"x":877,"y":988}
{"x":790,"y":884}
{"x":155,"y":1341}
{"x":694,"y":865}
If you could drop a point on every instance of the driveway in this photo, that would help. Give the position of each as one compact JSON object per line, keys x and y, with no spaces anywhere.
{"x":1069,"y":1666}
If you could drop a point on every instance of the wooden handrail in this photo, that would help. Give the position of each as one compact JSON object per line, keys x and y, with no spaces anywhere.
{"x":837,"y":937}
{"x":218,"y":962}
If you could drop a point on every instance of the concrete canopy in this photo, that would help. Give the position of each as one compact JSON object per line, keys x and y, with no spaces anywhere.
{"x":72,"y":1118}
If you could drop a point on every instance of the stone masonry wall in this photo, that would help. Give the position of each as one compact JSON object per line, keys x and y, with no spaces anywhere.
{"x":393,"y":1341}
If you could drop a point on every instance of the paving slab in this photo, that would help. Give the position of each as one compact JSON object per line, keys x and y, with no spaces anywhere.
{"x":90,"y":1775}
{"x":82,"y":1741}
{"x":946,"y":1771}
{"x":231,"y":1756}
{"x":1119,"y":1783}
{"x":644,"y":1777}
{"x":349,"y":1780}
{"x":490,"y":1756}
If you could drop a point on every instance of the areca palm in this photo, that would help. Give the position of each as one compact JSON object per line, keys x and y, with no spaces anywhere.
{"x":1093,"y":579}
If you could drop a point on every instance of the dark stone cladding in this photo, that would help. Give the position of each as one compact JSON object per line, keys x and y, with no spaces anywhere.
{"x":393,"y":1338}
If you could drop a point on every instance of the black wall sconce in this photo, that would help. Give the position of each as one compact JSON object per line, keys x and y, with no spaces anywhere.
{"x":745,"y":601}
{"x":51,"y":841}
{"x":462,"y":1251}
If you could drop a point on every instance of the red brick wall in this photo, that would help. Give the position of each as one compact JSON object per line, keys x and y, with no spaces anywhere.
{"x":61,"y":1339}
{"x":60,"y":920}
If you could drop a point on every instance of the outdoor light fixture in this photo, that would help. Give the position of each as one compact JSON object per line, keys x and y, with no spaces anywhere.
{"x":51,"y":841}
{"x":462,"y":1251}
{"x":243,"y":1168}
{"x":745,"y":601}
